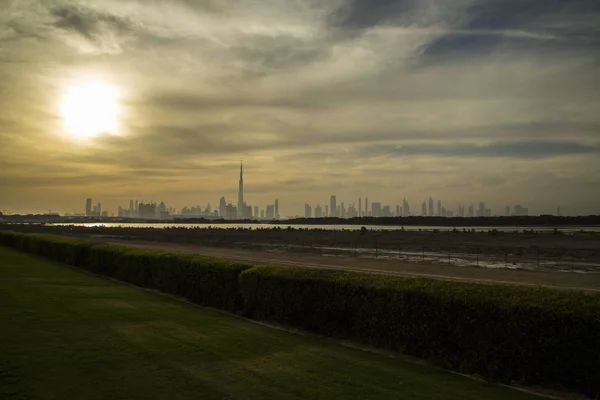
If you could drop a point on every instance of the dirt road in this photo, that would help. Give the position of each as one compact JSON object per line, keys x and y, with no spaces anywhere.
{"x":563,"y":280}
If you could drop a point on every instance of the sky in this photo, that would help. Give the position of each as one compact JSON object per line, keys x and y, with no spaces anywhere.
{"x":465,"y":100}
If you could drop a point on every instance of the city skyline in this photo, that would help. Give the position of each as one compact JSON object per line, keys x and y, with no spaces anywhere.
{"x":333,"y":209}
{"x":478,"y":100}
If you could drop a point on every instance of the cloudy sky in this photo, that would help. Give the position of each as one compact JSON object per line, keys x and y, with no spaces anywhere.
{"x":465,"y":100}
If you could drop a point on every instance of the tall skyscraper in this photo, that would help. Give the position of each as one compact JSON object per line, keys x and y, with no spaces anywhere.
{"x":99,"y":210}
{"x":307,"y":211}
{"x":240,"y":205}
{"x":255,"y":211}
{"x":326,"y":210}
{"x":276,"y":208}
{"x":439,"y":213}
{"x":406,"y":208}
{"x":398,"y":211}
{"x":424,"y":209}
{"x":88,"y":207}
{"x":430,"y":207}
{"x":318,"y":211}
{"x":360,"y":207}
{"x":366,"y":206}
{"x":333,"y":206}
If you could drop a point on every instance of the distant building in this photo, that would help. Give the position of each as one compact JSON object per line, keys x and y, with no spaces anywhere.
{"x":405,"y":208}
{"x":240,"y":205}
{"x":256,"y":212}
{"x":262,"y":214}
{"x":307,"y":211}
{"x":376,"y":209}
{"x":276,"y":209}
{"x":147,"y":211}
{"x":521,"y":211}
{"x":88,"y":207}
{"x":507,"y":212}
{"x":333,"y":206}
{"x":270,"y":214}
{"x":222,"y":207}
{"x":424,"y":209}
{"x":471,"y":211}
{"x":385,"y":211}
{"x":430,"y":207}
{"x":326,"y":211}
{"x":439,"y":208}
{"x":360,"y":207}
{"x":318,"y":211}
{"x":398,"y":214}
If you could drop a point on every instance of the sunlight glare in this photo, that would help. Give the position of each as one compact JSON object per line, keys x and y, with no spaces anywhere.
{"x":90,"y":108}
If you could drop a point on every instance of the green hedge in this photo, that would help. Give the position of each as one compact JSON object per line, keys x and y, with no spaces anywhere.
{"x":203,"y":280}
{"x":507,"y":333}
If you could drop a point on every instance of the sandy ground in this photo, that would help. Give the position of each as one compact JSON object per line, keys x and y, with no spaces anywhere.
{"x":563,"y":280}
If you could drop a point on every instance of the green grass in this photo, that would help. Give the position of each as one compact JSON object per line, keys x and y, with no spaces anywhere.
{"x":67,"y":334}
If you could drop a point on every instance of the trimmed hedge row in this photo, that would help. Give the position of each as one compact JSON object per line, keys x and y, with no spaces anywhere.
{"x":203,"y":280}
{"x":507,"y":333}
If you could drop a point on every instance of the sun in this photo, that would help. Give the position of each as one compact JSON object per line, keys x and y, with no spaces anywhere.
{"x":90,"y":108}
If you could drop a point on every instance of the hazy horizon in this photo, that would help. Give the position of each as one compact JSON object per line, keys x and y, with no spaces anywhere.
{"x":465,"y":101}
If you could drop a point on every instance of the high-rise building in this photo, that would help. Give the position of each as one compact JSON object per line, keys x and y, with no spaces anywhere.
{"x":240,"y":205}
{"x":471,"y":211}
{"x":318,"y":211}
{"x":333,"y":206}
{"x":131,"y":206}
{"x":406,"y":208}
{"x":222,"y":207}
{"x":262,"y":213}
{"x":255,"y":211}
{"x":360,"y":207}
{"x":342,"y":213}
{"x":430,"y":207}
{"x":507,"y":212}
{"x":398,"y":211}
{"x":424,"y":209}
{"x":307,"y":211}
{"x":326,"y":210}
{"x":88,"y":207}
{"x":439,"y":208}
{"x":481,"y":211}
{"x":270,"y":214}
{"x":99,"y":212}
{"x":136,"y":211}
{"x":521,"y":211}
{"x":376,"y":209}
{"x":366,"y":206}
{"x":276,"y":209}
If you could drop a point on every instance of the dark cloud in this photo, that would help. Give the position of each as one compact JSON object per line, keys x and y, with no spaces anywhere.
{"x":88,"y":22}
{"x":517,"y":149}
{"x":523,"y":25}
{"x":362,"y":14}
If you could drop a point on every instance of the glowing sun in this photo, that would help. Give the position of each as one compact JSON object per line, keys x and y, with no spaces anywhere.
{"x":90,"y":108}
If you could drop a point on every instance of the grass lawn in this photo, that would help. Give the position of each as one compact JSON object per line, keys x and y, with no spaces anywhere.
{"x":66,"y":334}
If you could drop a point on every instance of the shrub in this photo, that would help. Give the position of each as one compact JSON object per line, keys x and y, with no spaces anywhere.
{"x":507,"y":333}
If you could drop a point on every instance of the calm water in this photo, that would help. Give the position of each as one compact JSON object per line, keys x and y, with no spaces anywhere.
{"x":329,"y":227}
